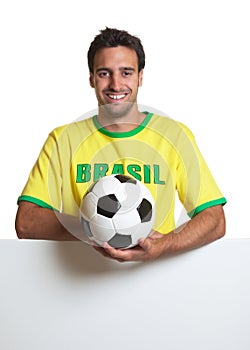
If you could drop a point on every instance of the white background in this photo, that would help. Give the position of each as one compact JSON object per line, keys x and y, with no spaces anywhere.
{"x":197,"y":71}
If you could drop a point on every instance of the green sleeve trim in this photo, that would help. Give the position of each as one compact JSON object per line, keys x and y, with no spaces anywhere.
{"x":207,"y":205}
{"x":35,"y":201}
{"x":123,"y":134}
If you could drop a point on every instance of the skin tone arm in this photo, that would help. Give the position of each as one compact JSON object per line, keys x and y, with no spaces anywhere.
{"x":34,"y":222}
{"x":204,"y":228}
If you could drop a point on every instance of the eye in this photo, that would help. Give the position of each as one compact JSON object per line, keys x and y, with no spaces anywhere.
{"x":103,"y":74}
{"x":127,"y":73}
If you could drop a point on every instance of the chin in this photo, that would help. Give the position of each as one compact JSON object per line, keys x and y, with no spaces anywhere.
{"x":117,"y":109}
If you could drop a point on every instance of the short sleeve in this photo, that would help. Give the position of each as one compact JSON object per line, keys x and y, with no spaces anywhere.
{"x":44,"y":183}
{"x":196,"y":187}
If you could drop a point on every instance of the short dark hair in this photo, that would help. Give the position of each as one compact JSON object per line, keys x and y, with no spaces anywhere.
{"x":111,"y":37}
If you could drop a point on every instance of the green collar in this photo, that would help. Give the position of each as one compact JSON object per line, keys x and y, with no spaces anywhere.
{"x":126,"y":133}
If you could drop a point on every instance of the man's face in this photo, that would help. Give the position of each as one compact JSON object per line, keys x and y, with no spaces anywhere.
{"x":116,"y":79}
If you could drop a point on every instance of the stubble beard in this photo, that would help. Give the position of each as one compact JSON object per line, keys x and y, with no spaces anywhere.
{"x":116,"y":111}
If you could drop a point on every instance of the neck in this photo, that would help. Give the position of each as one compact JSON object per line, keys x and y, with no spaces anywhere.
{"x":119,"y":122}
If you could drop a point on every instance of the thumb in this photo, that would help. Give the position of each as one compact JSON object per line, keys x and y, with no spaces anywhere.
{"x":155,"y":235}
{"x":145,"y":244}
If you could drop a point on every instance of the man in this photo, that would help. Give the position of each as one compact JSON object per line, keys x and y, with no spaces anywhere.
{"x":156,"y":150}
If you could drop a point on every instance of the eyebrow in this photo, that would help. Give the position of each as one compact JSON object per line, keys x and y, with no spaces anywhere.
{"x":110,"y":70}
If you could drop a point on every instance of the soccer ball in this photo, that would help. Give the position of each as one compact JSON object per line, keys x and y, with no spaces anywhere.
{"x":118,"y":210}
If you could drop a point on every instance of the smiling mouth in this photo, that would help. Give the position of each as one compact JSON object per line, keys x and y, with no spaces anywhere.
{"x":116,"y":97}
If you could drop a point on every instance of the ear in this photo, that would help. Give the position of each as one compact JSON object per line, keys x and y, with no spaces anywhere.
{"x":140,"y":77}
{"x":91,"y":80}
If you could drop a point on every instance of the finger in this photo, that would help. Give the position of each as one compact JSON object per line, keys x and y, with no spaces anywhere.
{"x":133,"y":254}
{"x":145,"y":244}
{"x":112,"y":252}
{"x":102,"y":252}
{"x":155,"y":235}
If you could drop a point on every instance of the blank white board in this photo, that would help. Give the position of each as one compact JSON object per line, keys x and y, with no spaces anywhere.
{"x":64,"y":295}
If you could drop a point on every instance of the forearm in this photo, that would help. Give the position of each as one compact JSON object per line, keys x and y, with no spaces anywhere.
{"x":204,"y":228}
{"x":33,"y":222}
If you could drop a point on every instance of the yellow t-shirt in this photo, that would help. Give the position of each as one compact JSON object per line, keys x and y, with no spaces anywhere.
{"x":161,"y":153}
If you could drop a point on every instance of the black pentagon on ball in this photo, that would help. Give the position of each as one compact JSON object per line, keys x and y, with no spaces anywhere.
{"x":120,"y":241}
{"x":124,"y":178}
{"x":108,"y":205}
{"x":145,"y":210}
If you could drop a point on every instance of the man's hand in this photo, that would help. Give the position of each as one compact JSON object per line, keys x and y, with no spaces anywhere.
{"x":147,"y":249}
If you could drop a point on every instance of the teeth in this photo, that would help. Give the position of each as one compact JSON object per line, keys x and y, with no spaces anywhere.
{"x":117,"y":97}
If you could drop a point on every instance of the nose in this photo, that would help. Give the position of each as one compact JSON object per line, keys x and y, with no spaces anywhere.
{"x":115,"y":82}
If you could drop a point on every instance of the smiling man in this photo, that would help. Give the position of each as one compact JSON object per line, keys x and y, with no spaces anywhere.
{"x":121,"y":139}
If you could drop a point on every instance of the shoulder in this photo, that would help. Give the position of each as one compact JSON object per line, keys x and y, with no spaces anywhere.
{"x":169,"y":127}
{"x":72,"y":129}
